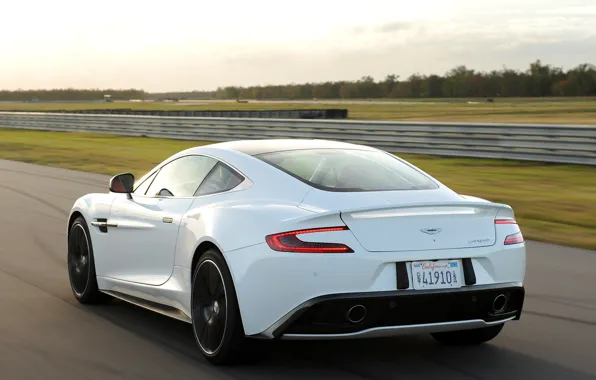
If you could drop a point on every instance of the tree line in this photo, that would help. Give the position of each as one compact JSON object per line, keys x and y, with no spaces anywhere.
{"x":539,"y":80}
{"x":70,"y":94}
{"x":461,"y":82}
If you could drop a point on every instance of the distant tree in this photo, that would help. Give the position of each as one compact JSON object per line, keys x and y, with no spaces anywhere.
{"x":389,"y":84}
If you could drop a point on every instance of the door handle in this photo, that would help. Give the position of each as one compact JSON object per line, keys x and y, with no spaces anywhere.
{"x":167,"y":219}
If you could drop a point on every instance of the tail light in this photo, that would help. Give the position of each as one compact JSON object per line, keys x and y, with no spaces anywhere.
{"x":289,"y":242}
{"x":515,"y":238}
{"x":505,"y":221}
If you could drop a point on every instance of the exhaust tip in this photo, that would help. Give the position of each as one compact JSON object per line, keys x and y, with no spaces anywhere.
{"x":499,"y":303}
{"x":356,"y":314}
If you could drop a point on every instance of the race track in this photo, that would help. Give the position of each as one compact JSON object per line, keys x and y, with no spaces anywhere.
{"x":46,"y":334}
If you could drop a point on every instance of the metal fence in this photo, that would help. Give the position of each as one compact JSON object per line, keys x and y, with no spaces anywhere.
{"x":544,"y":143}
{"x":332,"y":113}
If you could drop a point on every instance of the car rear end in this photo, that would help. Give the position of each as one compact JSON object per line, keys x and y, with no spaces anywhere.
{"x":382,"y":261}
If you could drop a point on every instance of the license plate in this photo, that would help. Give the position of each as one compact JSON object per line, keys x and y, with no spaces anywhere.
{"x":442,"y":274}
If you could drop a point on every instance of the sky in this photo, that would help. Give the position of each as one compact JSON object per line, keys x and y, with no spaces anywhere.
{"x":181,"y":45}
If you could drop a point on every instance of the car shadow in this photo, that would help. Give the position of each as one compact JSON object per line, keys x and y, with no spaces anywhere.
{"x":407,"y":357}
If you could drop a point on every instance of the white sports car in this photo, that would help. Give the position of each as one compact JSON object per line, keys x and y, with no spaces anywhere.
{"x":298,"y":239}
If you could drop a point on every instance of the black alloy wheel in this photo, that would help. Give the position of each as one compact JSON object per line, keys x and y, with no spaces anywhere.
{"x":216,"y":320}
{"x":210,"y":307}
{"x":78,"y":259}
{"x":81,"y":265}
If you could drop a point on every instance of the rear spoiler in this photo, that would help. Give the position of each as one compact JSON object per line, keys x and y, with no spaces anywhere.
{"x":503,"y":210}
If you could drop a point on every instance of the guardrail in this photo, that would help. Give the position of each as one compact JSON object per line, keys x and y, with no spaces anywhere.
{"x":331,"y":113}
{"x":544,"y":143}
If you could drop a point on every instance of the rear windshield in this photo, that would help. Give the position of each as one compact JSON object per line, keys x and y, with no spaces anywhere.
{"x":349,"y":170}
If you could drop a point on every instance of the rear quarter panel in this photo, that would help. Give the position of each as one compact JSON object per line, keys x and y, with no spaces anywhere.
{"x":234,"y":221}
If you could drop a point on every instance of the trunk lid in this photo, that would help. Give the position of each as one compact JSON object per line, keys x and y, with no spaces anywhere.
{"x":411,"y":222}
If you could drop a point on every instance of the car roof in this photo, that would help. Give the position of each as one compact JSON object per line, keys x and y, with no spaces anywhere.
{"x":256,"y":147}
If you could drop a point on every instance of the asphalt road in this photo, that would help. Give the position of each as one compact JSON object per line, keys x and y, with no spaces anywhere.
{"x":46,"y":334}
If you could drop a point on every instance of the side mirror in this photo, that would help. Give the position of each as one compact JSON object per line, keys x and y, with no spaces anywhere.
{"x":122,"y":183}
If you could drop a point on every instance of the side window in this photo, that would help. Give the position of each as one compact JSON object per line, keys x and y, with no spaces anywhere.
{"x":142,"y":188}
{"x":221,"y":178}
{"x":181,"y":177}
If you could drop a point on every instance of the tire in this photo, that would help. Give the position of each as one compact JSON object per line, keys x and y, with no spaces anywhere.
{"x":81,"y":265}
{"x":468,"y":337}
{"x":216,"y":321}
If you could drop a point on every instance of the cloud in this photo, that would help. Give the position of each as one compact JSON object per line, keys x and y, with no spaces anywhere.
{"x":484,"y":43}
{"x":394,"y":27}
{"x":202,"y":48}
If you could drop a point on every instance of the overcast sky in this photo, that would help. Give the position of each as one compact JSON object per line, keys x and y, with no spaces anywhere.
{"x":185,"y":45}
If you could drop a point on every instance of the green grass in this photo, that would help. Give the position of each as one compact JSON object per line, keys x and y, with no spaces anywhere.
{"x":553,"y":203}
{"x":511,"y":110}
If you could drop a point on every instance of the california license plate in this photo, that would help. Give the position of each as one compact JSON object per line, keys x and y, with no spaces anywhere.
{"x":442,"y":274}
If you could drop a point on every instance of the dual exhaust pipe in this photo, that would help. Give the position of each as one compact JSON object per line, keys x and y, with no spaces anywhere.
{"x":357,"y":313}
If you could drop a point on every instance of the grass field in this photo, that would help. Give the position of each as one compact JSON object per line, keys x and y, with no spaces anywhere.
{"x":511,"y":110}
{"x":553,"y":203}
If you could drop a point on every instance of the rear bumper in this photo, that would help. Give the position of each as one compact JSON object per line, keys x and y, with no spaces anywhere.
{"x":272,"y":285}
{"x":400,"y":312}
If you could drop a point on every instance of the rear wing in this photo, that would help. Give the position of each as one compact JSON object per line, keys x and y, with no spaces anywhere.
{"x":413,"y":209}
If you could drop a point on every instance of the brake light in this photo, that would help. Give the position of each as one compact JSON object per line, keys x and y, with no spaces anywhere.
{"x":289,"y":242}
{"x":515,"y":238}
{"x":505,"y":221}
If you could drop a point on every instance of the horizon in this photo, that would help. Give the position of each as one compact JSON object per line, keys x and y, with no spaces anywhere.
{"x":144,"y":45}
{"x":377,"y":80}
